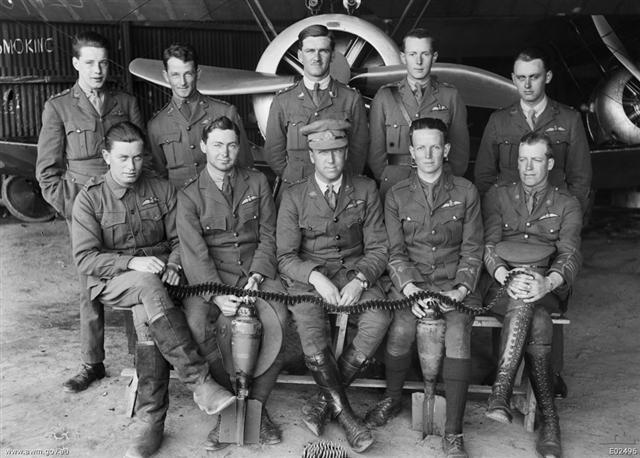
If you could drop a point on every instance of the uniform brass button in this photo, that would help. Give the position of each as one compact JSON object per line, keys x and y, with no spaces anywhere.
{"x":133,"y":212}
{"x":433,"y":266}
{"x":196,"y":164}
{"x":550,"y":230}
{"x":528,"y":224}
{"x":395,"y":126}
{"x":433,"y":248}
{"x":417,"y":115}
{"x":455,"y":217}
{"x":526,"y":236}
{"x":78,"y":130}
{"x":236,"y":244}
{"x":235,"y":234}
{"x":338,"y":248}
{"x":239,"y":262}
{"x":341,"y":261}
{"x":335,"y":219}
{"x":207,"y":228}
{"x":433,"y":231}
{"x":315,"y":114}
{"x":192,"y":146}
{"x":337,"y":237}
{"x":506,"y":225}
{"x":188,"y":127}
{"x":235,"y":215}
{"x":135,"y":233}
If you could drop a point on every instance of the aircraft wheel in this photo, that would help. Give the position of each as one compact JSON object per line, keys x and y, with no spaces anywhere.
{"x":23,"y":199}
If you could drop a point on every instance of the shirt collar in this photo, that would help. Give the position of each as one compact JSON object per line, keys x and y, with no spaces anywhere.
{"x":532,"y":191}
{"x":537,"y":109}
{"x":324,"y":83}
{"x":192,"y":99}
{"x":89,"y":92}
{"x":218,"y":180}
{"x":323,"y":186}
{"x":414,"y":82}
{"x":116,"y":188}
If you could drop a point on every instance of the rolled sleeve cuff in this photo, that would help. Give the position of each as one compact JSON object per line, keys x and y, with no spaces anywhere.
{"x":122,"y":262}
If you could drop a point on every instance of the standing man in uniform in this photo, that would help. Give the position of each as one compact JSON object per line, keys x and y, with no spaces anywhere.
{"x":227,"y":230}
{"x":497,"y":160}
{"x":532,"y":230}
{"x":316,"y":96}
{"x":70,"y":146}
{"x":434,"y":225}
{"x":125,"y":240}
{"x":175,"y":131}
{"x":331,"y":242}
{"x":419,"y":95}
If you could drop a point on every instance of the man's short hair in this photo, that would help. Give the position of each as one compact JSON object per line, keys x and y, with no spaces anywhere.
{"x":428,"y":123}
{"x":124,"y":131}
{"x":222,"y":123}
{"x":532,"y":53}
{"x":531,"y":138}
{"x":316,"y":30}
{"x":420,"y":33}
{"x":88,"y":38}
{"x":184,"y":52}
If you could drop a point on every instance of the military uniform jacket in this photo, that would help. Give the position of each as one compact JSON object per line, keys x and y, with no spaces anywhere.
{"x":287,"y":150}
{"x":389,"y":127}
{"x":175,"y":141}
{"x":71,"y":142}
{"x":441,"y":246}
{"x":555,"y":221}
{"x":310,"y":235}
{"x":222,"y":242}
{"x":112,"y":224}
{"x":497,"y":160}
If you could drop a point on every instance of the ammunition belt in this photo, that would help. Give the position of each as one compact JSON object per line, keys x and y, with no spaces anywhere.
{"x":435,"y":299}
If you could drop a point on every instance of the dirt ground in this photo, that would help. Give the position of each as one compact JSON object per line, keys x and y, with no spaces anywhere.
{"x":39,"y":350}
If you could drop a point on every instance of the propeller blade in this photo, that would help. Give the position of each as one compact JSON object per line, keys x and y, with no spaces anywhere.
{"x":611,"y":40}
{"x":216,"y":80}
{"x":478,"y":87}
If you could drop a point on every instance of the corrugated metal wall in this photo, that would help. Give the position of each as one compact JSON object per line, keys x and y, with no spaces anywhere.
{"x":35,"y":63}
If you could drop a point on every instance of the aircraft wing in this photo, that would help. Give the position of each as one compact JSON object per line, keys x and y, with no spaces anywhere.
{"x":216,"y":80}
{"x":478,"y":87}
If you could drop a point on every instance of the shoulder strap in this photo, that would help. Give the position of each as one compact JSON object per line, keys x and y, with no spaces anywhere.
{"x":403,"y":109}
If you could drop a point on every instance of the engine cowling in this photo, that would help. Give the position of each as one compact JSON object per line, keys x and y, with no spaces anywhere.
{"x":614,"y":110}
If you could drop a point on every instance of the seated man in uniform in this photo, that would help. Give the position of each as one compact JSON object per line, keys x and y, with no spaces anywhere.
{"x":331,"y":242}
{"x":434,"y":227}
{"x":227,"y":228}
{"x":532,"y":231}
{"x":125,"y":241}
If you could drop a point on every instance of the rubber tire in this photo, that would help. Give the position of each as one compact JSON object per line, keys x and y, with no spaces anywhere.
{"x":22,"y":197}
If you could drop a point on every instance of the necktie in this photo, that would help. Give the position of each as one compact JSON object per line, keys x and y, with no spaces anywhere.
{"x":531,"y":119}
{"x":331,"y":197}
{"x":95,"y":100}
{"x":315,"y":94}
{"x":531,"y":202}
{"x":418,"y":93}
{"x":226,"y":189}
{"x":185,"y":109}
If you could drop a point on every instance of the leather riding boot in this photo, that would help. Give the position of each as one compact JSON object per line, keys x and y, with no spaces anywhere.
{"x":171,"y":334}
{"x":325,"y":372}
{"x":270,"y":433}
{"x":538,"y":358}
{"x":152,"y":401}
{"x":316,"y":410}
{"x":514,"y":334}
{"x":350,"y":363}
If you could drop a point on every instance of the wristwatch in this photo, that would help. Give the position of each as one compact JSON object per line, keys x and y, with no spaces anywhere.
{"x":258,"y":276}
{"x":363,"y":281}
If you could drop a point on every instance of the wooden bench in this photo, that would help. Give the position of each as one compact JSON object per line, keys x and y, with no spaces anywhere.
{"x":523,"y":397}
{"x":522,"y":393}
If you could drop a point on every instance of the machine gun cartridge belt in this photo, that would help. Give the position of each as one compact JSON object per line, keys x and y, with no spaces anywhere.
{"x":218,"y":289}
